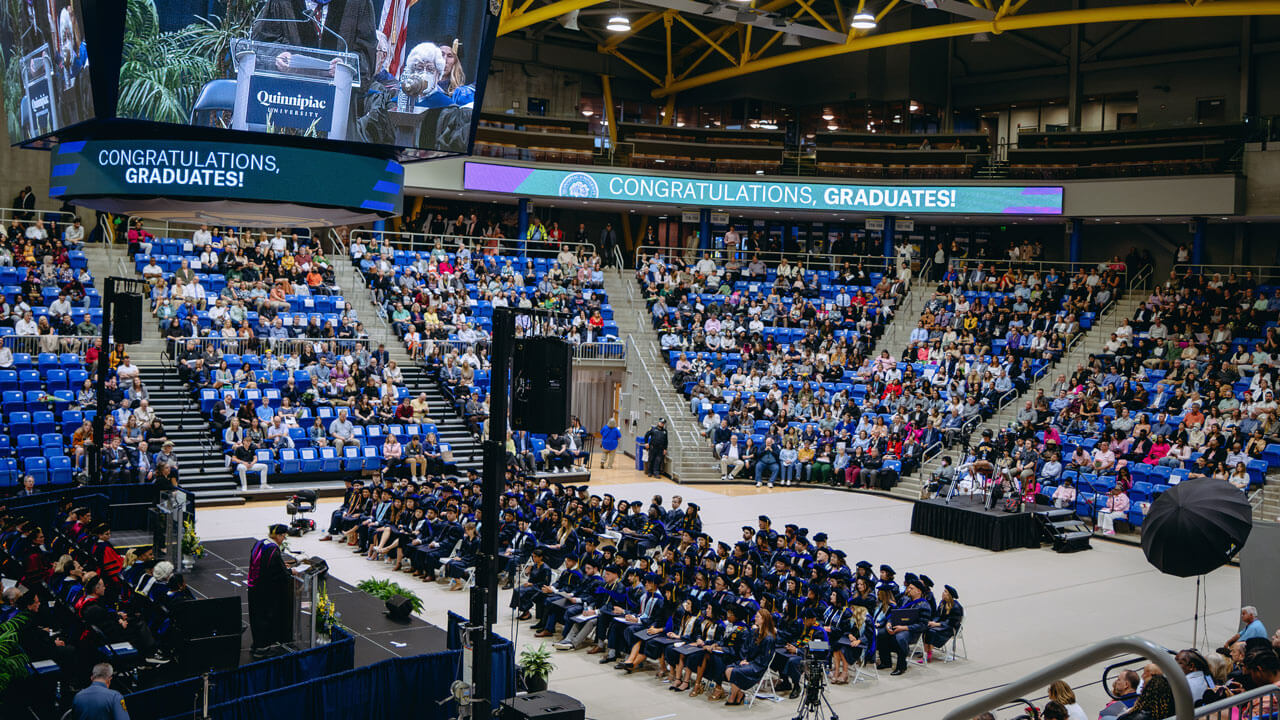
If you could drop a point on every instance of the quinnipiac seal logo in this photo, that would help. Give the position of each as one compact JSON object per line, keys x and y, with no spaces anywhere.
{"x":579,"y":185}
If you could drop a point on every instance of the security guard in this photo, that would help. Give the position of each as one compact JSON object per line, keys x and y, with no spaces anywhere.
{"x":99,"y":701}
{"x":656,"y":442}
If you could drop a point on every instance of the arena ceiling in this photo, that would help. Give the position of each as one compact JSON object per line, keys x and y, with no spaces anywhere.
{"x":679,"y":45}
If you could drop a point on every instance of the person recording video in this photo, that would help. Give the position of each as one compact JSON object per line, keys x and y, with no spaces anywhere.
{"x":444,"y":124}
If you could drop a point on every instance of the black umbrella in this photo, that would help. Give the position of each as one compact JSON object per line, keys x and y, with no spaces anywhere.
{"x":1196,"y":526}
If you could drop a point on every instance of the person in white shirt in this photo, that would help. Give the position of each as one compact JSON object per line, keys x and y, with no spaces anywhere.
{"x":26,"y":325}
{"x":60,"y":307}
{"x":73,"y":237}
{"x":705,"y":266}
{"x":126,"y":372}
{"x":202,"y":236}
{"x":218,"y":312}
{"x":195,"y":291}
{"x":279,"y":244}
{"x":358,"y":250}
{"x":1061,"y":693}
{"x":731,"y":462}
{"x":153,"y":272}
{"x":37,"y":231}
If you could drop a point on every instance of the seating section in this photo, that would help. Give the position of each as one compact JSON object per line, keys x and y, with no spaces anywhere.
{"x":1181,"y":390}
{"x":1193,"y":150}
{"x":844,"y":154}
{"x":244,"y":290}
{"x":441,"y":303}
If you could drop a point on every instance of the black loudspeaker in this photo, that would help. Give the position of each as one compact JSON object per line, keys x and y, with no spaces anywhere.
{"x":399,"y":607}
{"x":541,"y":369}
{"x":126,"y":319}
{"x":544,"y":705}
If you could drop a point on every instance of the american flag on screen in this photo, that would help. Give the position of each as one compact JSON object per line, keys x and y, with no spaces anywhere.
{"x":394,"y":25}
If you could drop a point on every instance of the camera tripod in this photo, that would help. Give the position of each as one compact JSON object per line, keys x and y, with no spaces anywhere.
{"x":814,"y":704}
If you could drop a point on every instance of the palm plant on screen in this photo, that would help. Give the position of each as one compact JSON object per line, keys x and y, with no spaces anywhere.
{"x":160,"y":76}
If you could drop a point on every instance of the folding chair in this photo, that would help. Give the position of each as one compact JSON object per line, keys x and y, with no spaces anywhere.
{"x":765,"y":688}
{"x":959,"y":650}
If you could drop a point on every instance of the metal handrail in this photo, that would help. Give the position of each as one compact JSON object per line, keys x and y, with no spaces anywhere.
{"x":1261,"y":273}
{"x":425,"y":242}
{"x":1080,"y":660}
{"x":9,"y":213}
{"x":172,"y":232}
{"x":617,"y":256}
{"x":770,"y":257}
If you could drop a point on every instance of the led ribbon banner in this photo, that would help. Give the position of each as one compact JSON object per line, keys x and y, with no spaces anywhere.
{"x":915,"y":199}
{"x":218,"y":171}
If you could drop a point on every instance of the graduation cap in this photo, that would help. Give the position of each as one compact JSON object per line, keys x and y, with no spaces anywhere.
{"x":928,"y":582}
{"x":791,"y":526}
{"x":748,"y":528}
{"x":742,"y":545}
{"x":840,"y":554}
{"x":952,"y":592}
{"x":887,"y":569}
{"x":608,"y":549}
{"x":764,"y":518}
{"x":862,"y":564}
{"x":588,"y":561}
{"x":915,"y":582}
{"x":809,"y":614}
{"x":694,"y":506}
{"x":909,"y":578}
{"x":723,"y":545}
{"x":652,"y":578}
{"x":820,"y":537}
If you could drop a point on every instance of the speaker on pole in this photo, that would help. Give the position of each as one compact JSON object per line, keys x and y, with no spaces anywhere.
{"x":541,"y":371}
{"x":126,"y":319}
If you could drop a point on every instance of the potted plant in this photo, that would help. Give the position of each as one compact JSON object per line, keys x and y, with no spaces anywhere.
{"x":327,"y":615}
{"x":535,"y":667}
{"x":386,"y":589}
{"x":191,"y":547}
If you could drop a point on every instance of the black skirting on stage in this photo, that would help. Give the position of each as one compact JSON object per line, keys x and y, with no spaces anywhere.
{"x":972,"y":524}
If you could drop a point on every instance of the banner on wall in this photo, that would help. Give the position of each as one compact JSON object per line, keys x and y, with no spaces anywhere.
{"x":913,"y":199}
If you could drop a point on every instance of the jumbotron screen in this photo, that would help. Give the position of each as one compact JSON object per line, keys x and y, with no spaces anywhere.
{"x":404,"y":73}
{"x":46,"y":67}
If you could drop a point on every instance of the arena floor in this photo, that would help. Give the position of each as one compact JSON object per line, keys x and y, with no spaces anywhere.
{"x":1023,"y":608}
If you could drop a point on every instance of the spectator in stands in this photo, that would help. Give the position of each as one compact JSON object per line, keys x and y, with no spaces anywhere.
{"x":1062,"y":694}
{"x":1253,"y":627}
{"x":1125,"y":689}
{"x":244,"y":460}
{"x":342,"y":432}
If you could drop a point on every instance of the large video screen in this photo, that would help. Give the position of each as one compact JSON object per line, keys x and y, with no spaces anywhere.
{"x":46,"y":67}
{"x":387,"y":72}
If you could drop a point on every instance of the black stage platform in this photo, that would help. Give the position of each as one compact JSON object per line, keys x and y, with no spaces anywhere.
{"x":966,"y":521}
{"x":221,"y":573}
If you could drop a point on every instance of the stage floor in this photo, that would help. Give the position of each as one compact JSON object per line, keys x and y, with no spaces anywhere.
{"x":221,"y":573}
{"x":966,"y":520}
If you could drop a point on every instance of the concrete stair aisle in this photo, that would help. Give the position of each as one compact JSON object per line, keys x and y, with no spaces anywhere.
{"x":690,"y":455}
{"x":1092,"y":342}
{"x":451,"y":429}
{"x":905,"y":316}
{"x":352,"y":286}
{"x":105,"y":261}
{"x":200,"y":459}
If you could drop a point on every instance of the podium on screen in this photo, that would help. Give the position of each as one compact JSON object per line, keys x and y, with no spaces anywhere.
{"x":303,"y":88}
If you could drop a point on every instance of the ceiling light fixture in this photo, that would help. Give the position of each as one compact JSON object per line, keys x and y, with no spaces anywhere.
{"x":833,"y":127}
{"x":828,"y":116}
{"x":863,"y":21}
{"x":587,"y":112}
{"x":619,"y":22}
